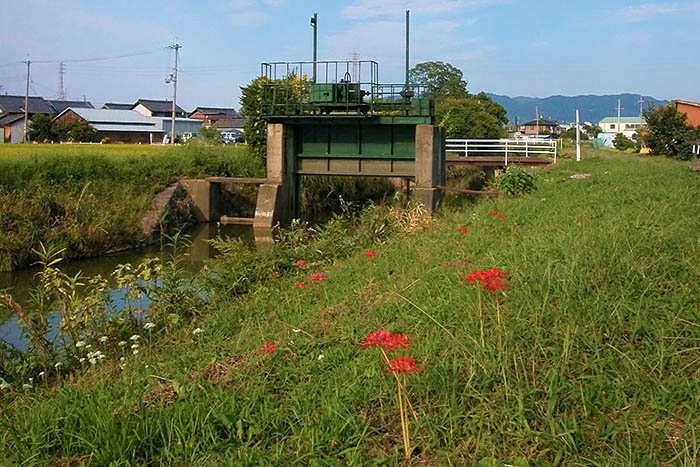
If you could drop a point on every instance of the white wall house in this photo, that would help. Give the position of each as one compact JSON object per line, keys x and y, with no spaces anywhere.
{"x":628,"y":126}
{"x":185,"y":127}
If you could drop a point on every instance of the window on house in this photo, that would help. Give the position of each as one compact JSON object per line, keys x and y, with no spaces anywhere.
{"x":612,"y":126}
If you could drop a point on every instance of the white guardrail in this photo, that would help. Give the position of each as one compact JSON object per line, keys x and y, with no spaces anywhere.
{"x":502,"y":147}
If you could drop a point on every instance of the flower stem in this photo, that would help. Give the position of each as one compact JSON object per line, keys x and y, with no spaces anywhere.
{"x":403,"y":421}
{"x":498,"y":319}
{"x":481,"y":317}
{"x":398,"y":382}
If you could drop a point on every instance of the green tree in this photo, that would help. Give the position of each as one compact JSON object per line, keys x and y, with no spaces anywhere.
{"x":668,"y":132}
{"x":442,"y":79}
{"x":41,"y":129}
{"x":81,"y":131}
{"x":592,"y":131}
{"x":209,"y":135}
{"x":623,"y":143}
{"x":471,"y":116}
{"x":291,"y":89}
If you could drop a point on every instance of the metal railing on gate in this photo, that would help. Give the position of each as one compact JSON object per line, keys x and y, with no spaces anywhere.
{"x":502,"y":147}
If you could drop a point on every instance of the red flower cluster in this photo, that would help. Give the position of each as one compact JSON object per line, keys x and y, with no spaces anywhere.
{"x":494,"y":213}
{"x":370,"y":253}
{"x":463,"y":230}
{"x":404,"y":364}
{"x":489,"y":279}
{"x":386,"y":340}
{"x":268,"y":348}
{"x":499,"y":214}
{"x":317,"y":277}
{"x":299,"y":285}
{"x":301,"y":263}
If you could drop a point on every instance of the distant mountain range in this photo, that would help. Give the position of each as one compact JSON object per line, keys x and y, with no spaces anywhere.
{"x":563,"y":108}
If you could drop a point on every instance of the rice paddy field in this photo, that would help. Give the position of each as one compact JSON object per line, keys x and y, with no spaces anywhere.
{"x":583,"y":349}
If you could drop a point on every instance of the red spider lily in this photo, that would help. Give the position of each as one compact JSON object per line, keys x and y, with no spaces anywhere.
{"x":501,"y":216}
{"x":489,"y":279}
{"x":386,"y":340}
{"x":301,"y":263}
{"x":317,"y":277}
{"x":299,"y":285}
{"x":494,"y":213}
{"x":370,"y":253}
{"x":463,"y":230}
{"x":268,"y":348}
{"x":403,"y":364}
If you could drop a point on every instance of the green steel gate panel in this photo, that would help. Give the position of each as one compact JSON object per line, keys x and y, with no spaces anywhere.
{"x":363,"y":141}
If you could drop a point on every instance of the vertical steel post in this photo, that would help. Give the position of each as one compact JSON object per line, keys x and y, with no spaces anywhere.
{"x":26,"y":104}
{"x":408,"y":14}
{"x":314,"y":24}
{"x":578,"y":138}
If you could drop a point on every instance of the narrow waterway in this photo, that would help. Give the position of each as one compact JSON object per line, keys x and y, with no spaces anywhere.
{"x":20,"y":284}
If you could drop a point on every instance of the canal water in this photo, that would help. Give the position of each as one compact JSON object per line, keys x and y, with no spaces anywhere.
{"x":19,"y":284}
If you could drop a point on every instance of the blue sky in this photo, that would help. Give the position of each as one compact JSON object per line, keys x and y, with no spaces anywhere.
{"x":531,"y":48}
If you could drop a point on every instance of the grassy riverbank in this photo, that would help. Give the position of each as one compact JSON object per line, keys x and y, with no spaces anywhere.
{"x":90,"y":198}
{"x":599,"y":360}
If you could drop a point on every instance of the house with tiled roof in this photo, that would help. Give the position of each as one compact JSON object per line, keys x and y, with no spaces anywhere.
{"x":628,"y":126}
{"x":120,"y":126}
{"x":12,"y":115}
{"x":210,"y":115}
{"x":156,"y":108}
{"x":117,"y":106}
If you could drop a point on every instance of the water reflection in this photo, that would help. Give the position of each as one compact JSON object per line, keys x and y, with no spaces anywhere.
{"x":20,"y":283}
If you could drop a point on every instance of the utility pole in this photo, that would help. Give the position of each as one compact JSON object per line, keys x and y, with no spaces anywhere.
{"x":173,"y":79}
{"x":618,"y":116}
{"x":641,"y":106}
{"x":314,"y":24}
{"x":61,"y":92}
{"x":408,"y":21}
{"x":26,"y":102}
{"x":537,"y":120}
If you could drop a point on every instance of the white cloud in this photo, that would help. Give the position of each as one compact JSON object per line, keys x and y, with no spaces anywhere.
{"x":369,"y":9}
{"x":251,"y":12}
{"x":646,"y":11}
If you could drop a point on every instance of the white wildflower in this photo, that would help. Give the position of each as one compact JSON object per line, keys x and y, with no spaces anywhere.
{"x":80,"y":344}
{"x":27,"y":386}
{"x":101,"y":356}
{"x":89,"y":346}
{"x":31,"y":380}
{"x":296,"y":330}
{"x":135,"y":351}
{"x":82,"y":360}
{"x":93,"y":361}
{"x":134,"y":346}
{"x":103,"y":339}
{"x":149,"y":325}
{"x":4,"y":385}
{"x":320,"y":357}
{"x":197,"y":331}
{"x":121,"y":359}
{"x":135,"y":337}
{"x":122,"y":343}
{"x":42,"y":373}
{"x":58,"y":364}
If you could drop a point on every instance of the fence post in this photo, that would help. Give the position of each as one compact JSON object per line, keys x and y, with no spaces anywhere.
{"x":466,"y":147}
{"x":526,"y":151}
{"x":506,"y":152}
{"x":555,"y":151}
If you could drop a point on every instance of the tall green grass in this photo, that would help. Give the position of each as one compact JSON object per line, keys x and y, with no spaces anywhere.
{"x":600,"y":366}
{"x":89,"y":199}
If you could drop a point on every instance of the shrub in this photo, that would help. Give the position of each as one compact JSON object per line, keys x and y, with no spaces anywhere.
{"x":516,"y":181}
{"x":623,"y":143}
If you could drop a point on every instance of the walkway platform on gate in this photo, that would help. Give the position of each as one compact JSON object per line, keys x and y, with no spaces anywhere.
{"x":498,"y":161}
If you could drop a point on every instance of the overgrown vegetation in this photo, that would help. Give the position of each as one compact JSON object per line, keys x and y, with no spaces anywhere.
{"x":587,"y":358}
{"x":90,"y":199}
{"x":668,"y":132}
{"x":516,"y":181}
{"x":44,"y":129}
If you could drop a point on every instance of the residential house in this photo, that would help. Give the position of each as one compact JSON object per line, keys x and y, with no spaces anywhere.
{"x":210,"y":115}
{"x":690,"y":109}
{"x":537,"y":127}
{"x":628,"y":126}
{"x":12,"y":115}
{"x":60,"y":106}
{"x":116,"y":106}
{"x":155,"y":108}
{"x":120,"y":126}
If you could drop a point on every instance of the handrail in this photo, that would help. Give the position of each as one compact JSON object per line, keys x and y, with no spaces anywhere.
{"x":504,"y":147}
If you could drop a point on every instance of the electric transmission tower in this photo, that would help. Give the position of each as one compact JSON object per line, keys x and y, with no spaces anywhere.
{"x":61,"y":91}
{"x":172,"y":78}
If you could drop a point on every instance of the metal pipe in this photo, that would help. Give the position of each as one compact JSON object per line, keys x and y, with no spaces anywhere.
{"x":314,"y":24}
{"x":408,"y":13}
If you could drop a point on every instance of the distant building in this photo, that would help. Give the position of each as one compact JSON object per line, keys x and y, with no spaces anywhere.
{"x":186,"y":128}
{"x":120,"y":126}
{"x":12,"y":115}
{"x":155,"y":108}
{"x":116,"y":106}
{"x":536,"y":127}
{"x":690,"y":109}
{"x":628,"y":126}
{"x":210,"y":115}
{"x":60,"y":106}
